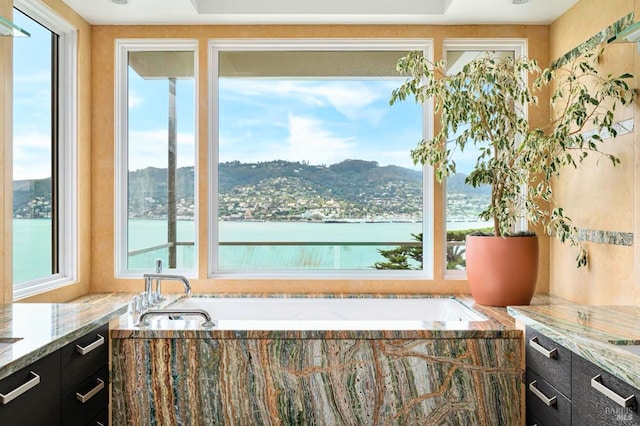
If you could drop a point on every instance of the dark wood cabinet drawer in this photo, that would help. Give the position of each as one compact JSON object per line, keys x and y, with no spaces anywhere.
{"x":546,"y":403}
{"x":40,"y":404}
{"x":533,"y":421}
{"x":83,"y":357}
{"x":549,"y":360}
{"x":101,"y":419}
{"x":595,"y":393}
{"x":91,"y":397}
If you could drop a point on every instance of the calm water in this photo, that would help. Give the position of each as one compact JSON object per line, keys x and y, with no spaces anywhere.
{"x":32,"y":251}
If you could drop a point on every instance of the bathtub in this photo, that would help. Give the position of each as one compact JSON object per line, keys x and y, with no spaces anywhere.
{"x":349,"y":360}
{"x":354,"y":313}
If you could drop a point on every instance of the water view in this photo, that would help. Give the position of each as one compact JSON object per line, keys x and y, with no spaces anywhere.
{"x":33,"y":235}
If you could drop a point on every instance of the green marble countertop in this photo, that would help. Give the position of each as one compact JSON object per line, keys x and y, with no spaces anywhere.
{"x":596,"y":333}
{"x":29,"y":331}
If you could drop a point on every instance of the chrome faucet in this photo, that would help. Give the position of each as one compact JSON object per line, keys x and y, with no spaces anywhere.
{"x":148,"y":283}
{"x":171,"y":313}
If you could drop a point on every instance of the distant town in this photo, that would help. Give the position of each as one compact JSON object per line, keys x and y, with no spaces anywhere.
{"x":350,"y":191}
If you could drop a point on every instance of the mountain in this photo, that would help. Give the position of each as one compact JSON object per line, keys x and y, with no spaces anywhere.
{"x":284,"y":190}
{"x":276,"y":190}
{"x":32,"y":198}
{"x":456,"y":185}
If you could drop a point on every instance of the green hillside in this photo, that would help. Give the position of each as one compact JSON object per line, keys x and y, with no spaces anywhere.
{"x":279,"y":190}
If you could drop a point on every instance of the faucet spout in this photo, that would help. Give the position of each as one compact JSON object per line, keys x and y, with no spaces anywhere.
{"x":168,"y":277}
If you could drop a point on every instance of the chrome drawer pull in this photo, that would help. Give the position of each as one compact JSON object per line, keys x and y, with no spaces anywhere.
{"x":34,"y":380}
{"x":596,"y":383}
{"x":84,"y":398}
{"x":87,"y":349}
{"x":542,"y":397}
{"x":553,"y":353}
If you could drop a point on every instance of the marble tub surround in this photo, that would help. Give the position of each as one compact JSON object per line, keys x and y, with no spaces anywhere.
{"x":29,"y":331}
{"x":467,"y":373}
{"x":596,"y":333}
{"x":207,"y":381}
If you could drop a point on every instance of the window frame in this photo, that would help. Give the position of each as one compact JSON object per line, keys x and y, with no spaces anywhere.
{"x":218,"y":45}
{"x":520,"y":47}
{"x":121,"y":130}
{"x":65,"y":152}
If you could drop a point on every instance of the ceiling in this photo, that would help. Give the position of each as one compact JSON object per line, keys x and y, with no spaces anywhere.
{"x":105,"y":12}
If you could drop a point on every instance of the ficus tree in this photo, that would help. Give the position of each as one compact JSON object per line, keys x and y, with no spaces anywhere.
{"x":485,"y":105}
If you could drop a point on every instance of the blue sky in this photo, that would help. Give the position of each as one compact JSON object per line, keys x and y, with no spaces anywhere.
{"x":319,"y":121}
{"x":31,"y":102}
{"x":148,"y":122}
{"x":322,"y":121}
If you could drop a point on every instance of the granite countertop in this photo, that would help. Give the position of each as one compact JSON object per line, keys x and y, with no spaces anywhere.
{"x":498,"y":324}
{"x":29,"y":331}
{"x":589,"y":331}
{"x":596,"y":333}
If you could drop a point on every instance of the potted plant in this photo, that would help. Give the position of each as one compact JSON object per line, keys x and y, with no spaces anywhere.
{"x":484,"y":105}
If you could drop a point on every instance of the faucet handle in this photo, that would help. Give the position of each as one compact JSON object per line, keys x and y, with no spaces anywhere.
{"x":158,"y":294}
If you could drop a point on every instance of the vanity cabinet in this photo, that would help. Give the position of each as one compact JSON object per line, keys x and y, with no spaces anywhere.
{"x":601,"y":398}
{"x":67,"y":387}
{"x":548,"y":380}
{"x":31,"y":396}
{"x":85,"y":377}
{"x":563,"y":388}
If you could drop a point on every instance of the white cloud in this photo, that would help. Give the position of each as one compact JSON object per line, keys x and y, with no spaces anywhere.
{"x":38,"y":168}
{"x":149,"y":149}
{"x":135,"y":99}
{"x":309,"y":141}
{"x":353,"y":99}
{"x":31,"y":156}
{"x":32,"y":140}
{"x":316,"y":121}
{"x":29,"y":79}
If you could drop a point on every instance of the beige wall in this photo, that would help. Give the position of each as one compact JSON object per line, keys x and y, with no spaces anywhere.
{"x":83,"y":155}
{"x":599,"y":196}
{"x":103,"y":148}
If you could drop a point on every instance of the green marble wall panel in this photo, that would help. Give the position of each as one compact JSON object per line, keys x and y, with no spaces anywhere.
{"x":316,"y":381}
{"x":593,"y":41}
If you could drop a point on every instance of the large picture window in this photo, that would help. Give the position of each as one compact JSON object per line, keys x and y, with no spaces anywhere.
{"x":310,"y":170}
{"x":44,"y":116}
{"x":155,"y":156}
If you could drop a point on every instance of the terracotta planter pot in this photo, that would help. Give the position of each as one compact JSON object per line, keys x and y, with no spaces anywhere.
{"x":502,"y":271}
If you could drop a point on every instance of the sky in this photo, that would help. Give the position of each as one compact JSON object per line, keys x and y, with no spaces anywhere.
{"x":321,"y":121}
{"x":31,"y":102}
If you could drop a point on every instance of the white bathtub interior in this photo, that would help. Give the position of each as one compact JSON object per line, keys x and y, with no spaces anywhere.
{"x":277,"y":313}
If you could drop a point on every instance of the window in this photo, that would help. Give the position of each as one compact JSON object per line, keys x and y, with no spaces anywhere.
{"x":463,"y":203}
{"x":311,"y":169}
{"x":155,"y":156}
{"x":44,"y":207}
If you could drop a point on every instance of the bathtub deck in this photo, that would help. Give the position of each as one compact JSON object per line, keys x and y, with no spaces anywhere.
{"x":498,"y":325}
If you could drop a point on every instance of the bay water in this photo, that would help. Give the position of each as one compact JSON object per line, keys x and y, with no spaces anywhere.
{"x":32,"y":247}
